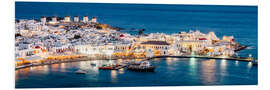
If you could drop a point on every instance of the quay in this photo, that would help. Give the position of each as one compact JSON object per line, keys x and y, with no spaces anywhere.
{"x":49,"y":62}
{"x":247,"y":59}
{"x":85,"y":58}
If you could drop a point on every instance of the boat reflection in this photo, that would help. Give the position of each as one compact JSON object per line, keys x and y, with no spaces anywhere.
{"x":249,"y":65}
{"x":121,"y":71}
{"x":236,"y":63}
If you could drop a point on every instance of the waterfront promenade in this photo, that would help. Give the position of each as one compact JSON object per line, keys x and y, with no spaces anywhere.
{"x":208,"y":57}
{"x":57,"y":60}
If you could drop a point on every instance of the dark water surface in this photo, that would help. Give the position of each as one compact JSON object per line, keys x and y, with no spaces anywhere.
{"x":239,"y":21}
{"x":169,"y":72}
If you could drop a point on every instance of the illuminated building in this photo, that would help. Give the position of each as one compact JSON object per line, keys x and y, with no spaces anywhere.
{"x":191,"y":45}
{"x":85,"y":19}
{"x":157,"y":47}
{"x":43,"y":19}
{"x":54,"y":19}
{"x":91,"y":50}
{"x":94,"y":20}
{"x":67,"y":19}
{"x":228,"y":38}
{"x":76,"y":19}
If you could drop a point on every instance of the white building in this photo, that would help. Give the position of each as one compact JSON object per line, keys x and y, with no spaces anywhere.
{"x":91,"y":50}
{"x":43,"y":19}
{"x":76,"y":19}
{"x":67,"y":19}
{"x":85,"y":19}
{"x":94,"y":20}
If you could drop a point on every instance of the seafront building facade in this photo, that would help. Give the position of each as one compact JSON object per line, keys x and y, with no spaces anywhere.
{"x":47,"y":38}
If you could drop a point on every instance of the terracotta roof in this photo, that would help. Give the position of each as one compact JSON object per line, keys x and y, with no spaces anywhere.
{"x":37,"y":47}
{"x":156,"y":43}
{"x":202,"y":39}
{"x":122,"y":35}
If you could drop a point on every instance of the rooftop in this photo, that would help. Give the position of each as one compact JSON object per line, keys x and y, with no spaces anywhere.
{"x":156,"y":43}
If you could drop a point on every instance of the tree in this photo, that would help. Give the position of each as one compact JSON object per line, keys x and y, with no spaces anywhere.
{"x":190,"y":48}
{"x":18,"y":35}
{"x":77,"y":36}
{"x":141,"y":31}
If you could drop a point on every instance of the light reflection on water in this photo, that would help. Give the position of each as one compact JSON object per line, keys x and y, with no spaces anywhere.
{"x":249,"y":65}
{"x":62,"y":67}
{"x":208,"y":71}
{"x":236,"y":63}
{"x":114,"y":76}
{"x":192,"y":62}
{"x":186,"y":71}
{"x":169,"y":61}
{"x":193,"y":66}
{"x":223,"y":65}
{"x":121,"y":71}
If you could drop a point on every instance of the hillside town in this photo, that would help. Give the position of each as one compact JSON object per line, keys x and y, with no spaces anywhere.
{"x":56,"y":38}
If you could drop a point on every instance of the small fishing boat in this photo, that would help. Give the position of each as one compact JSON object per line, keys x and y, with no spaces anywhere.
{"x":81,"y":72}
{"x":145,"y":66}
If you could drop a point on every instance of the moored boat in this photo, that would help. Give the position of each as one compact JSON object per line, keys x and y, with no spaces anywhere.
{"x":145,"y":66}
{"x":111,"y":67}
{"x":134,"y":62}
{"x":106,"y":67}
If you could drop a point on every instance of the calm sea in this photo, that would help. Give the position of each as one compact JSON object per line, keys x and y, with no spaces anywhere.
{"x":239,"y":21}
{"x":168,"y":72}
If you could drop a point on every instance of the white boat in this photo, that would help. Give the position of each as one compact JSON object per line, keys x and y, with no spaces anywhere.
{"x":145,"y":66}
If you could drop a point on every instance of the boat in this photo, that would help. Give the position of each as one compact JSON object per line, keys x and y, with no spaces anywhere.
{"x":125,"y":62}
{"x":81,"y":72}
{"x":135,"y":62}
{"x":111,"y":67}
{"x":93,"y":64}
{"x":145,"y":66}
{"x":106,"y":67}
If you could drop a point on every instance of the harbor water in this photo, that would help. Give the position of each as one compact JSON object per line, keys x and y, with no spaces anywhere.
{"x":168,"y":72}
{"x":238,"y":21}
